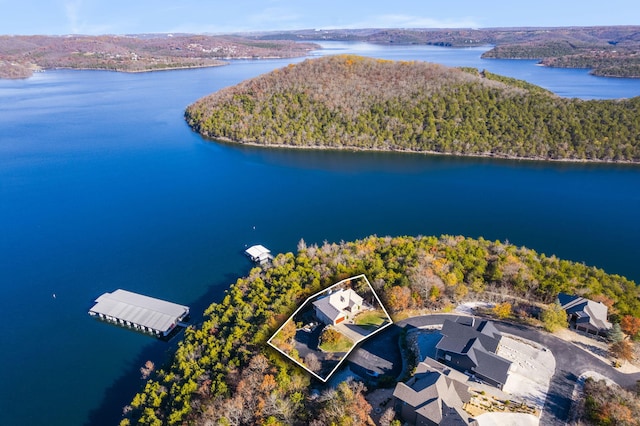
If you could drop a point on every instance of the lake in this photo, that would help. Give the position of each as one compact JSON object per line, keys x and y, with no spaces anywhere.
{"x":104,"y":186}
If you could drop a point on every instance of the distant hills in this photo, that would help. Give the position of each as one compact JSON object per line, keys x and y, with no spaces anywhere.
{"x":607,"y":51}
{"x":20,"y":56}
{"x":351,"y":102}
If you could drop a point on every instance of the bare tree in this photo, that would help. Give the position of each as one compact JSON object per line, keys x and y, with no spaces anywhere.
{"x":387,"y":417}
{"x":312,"y":362}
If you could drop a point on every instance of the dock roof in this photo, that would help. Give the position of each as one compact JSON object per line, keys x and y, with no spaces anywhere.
{"x":138,"y":309}
{"x":259,"y":253}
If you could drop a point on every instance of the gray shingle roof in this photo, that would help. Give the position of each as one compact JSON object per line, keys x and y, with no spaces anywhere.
{"x":460,"y":336}
{"x":433,"y":396}
{"x":587,"y":311}
{"x":478,"y":342}
{"x":492,"y":366}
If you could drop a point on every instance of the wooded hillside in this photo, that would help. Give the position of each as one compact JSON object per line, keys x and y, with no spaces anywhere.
{"x":603,"y":59}
{"x":362,"y":103}
{"x":20,"y":56}
{"x":612,"y":51}
{"x":224,"y":372}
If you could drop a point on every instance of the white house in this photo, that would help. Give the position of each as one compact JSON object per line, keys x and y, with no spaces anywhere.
{"x":338,"y":306}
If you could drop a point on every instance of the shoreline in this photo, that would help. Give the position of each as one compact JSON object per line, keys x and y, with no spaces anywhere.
{"x":404,"y":151}
{"x":34,"y":68}
{"x":185,"y":67}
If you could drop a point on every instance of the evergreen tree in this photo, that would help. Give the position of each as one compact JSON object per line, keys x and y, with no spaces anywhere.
{"x":615,"y":334}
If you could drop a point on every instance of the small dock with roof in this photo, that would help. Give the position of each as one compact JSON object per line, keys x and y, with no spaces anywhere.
{"x":143,"y":313}
{"x":259,"y":254}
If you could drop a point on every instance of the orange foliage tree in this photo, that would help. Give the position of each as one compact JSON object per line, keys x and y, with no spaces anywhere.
{"x":398,"y":298}
{"x":630,"y":325}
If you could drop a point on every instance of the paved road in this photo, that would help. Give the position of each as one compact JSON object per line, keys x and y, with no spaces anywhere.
{"x":571,"y":361}
{"x":379,"y":355}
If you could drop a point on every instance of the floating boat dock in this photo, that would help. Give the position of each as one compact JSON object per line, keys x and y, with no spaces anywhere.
{"x":259,"y":254}
{"x":139,"y":312}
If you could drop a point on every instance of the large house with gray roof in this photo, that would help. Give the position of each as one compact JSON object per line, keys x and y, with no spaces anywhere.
{"x":472,"y":348}
{"x":585,"y":314}
{"x":433,"y":396}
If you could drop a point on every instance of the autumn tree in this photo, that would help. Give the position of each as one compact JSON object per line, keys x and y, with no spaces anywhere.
{"x":344,"y":405}
{"x":330,"y":336}
{"x":434,"y":293}
{"x":387,"y":417}
{"x":286,"y":334}
{"x":398,"y":298}
{"x":147,"y":369}
{"x":609,"y":405}
{"x":630,"y":325}
{"x":622,"y":350}
{"x":554,"y":318}
{"x":502,"y":310}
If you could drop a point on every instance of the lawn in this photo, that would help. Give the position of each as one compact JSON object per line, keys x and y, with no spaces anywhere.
{"x":371,"y":319}
{"x":338,"y":342}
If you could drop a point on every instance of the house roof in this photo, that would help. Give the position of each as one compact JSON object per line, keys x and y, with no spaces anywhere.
{"x":479,"y":342}
{"x":586,"y":310}
{"x":434,"y":396}
{"x":345,"y":298}
{"x":492,"y":366}
{"x":458,"y":379}
{"x":325,"y":306}
{"x":332,"y":305}
{"x":459,"y":338}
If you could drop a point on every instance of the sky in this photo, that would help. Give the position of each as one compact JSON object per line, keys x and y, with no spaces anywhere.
{"x":226,"y":16}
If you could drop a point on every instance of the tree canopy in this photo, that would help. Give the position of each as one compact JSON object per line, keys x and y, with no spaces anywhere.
{"x":353,"y":102}
{"x":224,"y":372}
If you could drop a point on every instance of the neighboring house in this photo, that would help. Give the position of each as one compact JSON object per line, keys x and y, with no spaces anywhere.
{"x":435,"y":395}
{"x":472,"y":348}
{"x":585,"y":315}
{"x":338,"y":306}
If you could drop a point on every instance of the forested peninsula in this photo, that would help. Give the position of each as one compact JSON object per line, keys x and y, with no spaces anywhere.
{"x":21,"y":56}
{"x":603,"y":59}
{"x":352,"y":102}
{"x":223,"y":372}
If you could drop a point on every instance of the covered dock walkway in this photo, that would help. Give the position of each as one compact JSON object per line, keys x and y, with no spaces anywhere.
{"x":140,"y":312}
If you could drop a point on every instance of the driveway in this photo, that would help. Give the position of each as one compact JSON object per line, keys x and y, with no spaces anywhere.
{"x":571,"y":361}
{"x":306,"y":342}
{"x":352,"y":331}
{"x":379,"y":355}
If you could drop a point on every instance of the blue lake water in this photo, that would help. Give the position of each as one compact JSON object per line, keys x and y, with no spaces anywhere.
{"x":103,"y":186}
